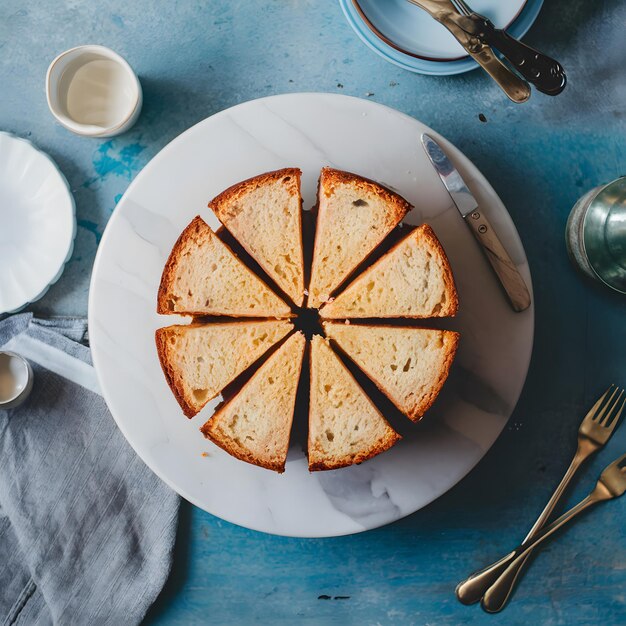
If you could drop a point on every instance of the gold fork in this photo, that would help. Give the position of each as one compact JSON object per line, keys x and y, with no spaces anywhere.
{"x":612,"y":484}
{"x":595,"y":430}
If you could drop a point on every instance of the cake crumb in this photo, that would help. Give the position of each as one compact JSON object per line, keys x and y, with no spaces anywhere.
{"x":205,"y":454}
{"x":346,"y":322}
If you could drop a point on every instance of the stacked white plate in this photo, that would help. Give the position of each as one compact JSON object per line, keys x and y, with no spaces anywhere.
{"x":407,"y":36}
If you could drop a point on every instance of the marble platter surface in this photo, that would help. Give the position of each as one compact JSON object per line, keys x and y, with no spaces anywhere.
{"x":307,"y":131}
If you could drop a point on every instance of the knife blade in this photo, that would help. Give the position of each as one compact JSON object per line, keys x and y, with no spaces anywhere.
{"x":446,"y":14}
{"x":507,"y":272}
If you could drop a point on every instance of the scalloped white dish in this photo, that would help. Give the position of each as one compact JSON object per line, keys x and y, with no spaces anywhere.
{"x":37,"y":223}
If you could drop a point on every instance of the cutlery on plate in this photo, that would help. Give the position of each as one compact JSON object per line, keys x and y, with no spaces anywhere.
{"x":505,"y":269}
{"x":594,"y":431}
{"x":611,"y":484}
{"x":545,"y":73}
{"x":446,"y":14}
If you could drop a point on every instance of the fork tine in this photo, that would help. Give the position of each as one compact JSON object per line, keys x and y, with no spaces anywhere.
{"x":598,"y":417}
{"x":459,"y":7}
{"x":614,"y":420}
{"x":463,"y":7}
{"x":591,"y":414}
{"x":610,"y":406}
{"x":621,"y":463}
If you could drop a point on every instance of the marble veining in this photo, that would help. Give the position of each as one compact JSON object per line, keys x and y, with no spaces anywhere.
{"x":308,"y":130}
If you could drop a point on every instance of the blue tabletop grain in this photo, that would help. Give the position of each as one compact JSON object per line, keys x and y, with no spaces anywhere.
{"x":197,"y":57}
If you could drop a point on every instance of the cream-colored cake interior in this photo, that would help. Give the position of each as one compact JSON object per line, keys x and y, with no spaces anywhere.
{"x":411,"y":280}
{"x":267,"y":222}
{"x":258,"y":420}
{"x":351,"y":223}
{"x":208,"y":357}
{"x":343,"y":422}
{"x":209,"y":278}
{"x":407,"y":363}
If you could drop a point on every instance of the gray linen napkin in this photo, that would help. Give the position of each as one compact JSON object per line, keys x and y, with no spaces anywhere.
{"x":86,"y":529}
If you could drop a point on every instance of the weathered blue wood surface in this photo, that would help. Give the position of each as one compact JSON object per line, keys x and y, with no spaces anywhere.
{"x":196,"y":58}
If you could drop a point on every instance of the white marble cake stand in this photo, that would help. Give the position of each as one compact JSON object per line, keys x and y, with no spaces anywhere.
{"x":308,"y":131}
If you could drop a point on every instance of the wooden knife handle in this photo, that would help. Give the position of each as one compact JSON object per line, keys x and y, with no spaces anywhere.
{"x":507,"y":272}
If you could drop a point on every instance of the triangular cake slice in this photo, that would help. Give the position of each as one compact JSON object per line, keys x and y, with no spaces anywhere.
{"x":344,"y":425}
{"x":199,"y":360}
{"x":256,"y":424}
{"x":353,"y":216}
{"x":264,"y":214}
{"x":412,"y":280}
{"x":204,"y":277}
{"x":409,"y":365}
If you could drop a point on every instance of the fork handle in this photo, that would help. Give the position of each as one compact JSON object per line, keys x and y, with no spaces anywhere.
{"x":544,"y":72}
{"x":513,"y":86}
{"x":496,"y":596}
{"x":473,"y":588}
{"x":582,"y":454}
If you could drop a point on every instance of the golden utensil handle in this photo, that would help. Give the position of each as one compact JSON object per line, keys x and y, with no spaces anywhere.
{"x":516,"y":88}
{"x":500,"y":260}
{"x":496,"y":596}
{"x":473,"y":588}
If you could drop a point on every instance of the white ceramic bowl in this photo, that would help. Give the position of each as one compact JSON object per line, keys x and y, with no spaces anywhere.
{"x":118,"y":77}
{"x":16,"y":380}
{"x":37,"y":223}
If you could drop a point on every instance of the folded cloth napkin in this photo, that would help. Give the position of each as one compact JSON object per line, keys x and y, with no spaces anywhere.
{"x":86,"y":529}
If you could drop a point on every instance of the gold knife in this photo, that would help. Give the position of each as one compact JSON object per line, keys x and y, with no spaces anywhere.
{"x":446,"y":14}
{"x":502,"y":264}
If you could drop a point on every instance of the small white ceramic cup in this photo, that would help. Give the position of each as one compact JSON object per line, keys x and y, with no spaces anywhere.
{"x":100,"y":99}
{"x":16,"y":380}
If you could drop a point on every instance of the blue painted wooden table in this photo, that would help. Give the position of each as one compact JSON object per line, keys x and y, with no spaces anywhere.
{"x":195,"y":58}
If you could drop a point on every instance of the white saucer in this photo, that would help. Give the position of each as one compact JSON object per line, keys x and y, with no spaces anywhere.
{"x":37,"y":223}
{"x":307,"y":131}
{"x":407,"y":36}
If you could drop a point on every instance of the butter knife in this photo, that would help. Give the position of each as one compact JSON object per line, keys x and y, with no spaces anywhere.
{"x":446,"y":14}
{"x":496,"y":254}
